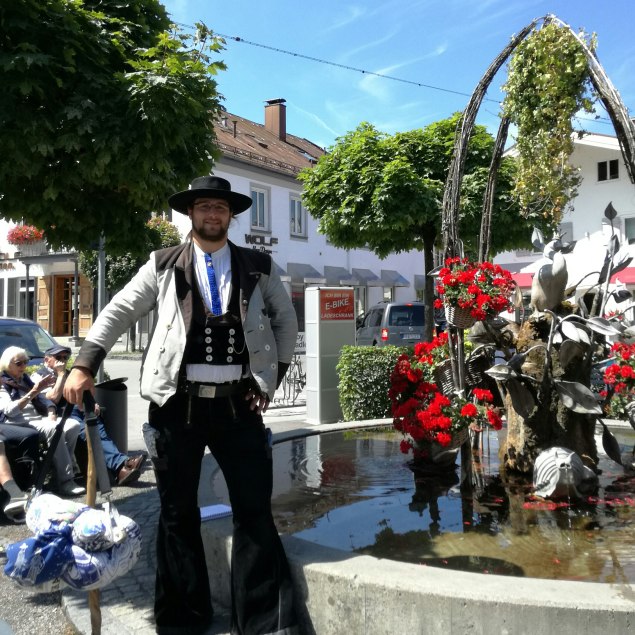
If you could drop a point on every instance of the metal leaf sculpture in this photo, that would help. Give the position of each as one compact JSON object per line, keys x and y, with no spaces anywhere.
{"x":621,"y":295}
{"x":577,"y":397}
{"x":611,"y":249}
{"x":574,"y":332}
{"x":621,"y":260}
{"x":522,"y":399}
{"x":517,"y":360}
{"x":501,"y":372}
{"x":610,"y":444}
{"x":602,"y":326}
{"x":610,"y":212}
{"x":570,"y":350}
{"x":630,"y":411}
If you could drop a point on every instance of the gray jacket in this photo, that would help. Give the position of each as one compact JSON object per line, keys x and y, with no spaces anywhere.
{"x":165,"y":282}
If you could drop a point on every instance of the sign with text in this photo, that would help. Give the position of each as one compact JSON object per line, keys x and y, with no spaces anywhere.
{"x":336,"y":304}
{"x":300,"y":343}
{"x":261,"y":243}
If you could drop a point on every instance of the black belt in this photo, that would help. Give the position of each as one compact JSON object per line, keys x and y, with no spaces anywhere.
{"x":212,"y":391}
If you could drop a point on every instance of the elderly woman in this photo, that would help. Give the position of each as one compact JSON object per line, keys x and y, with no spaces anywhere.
{"x":22,"y":405}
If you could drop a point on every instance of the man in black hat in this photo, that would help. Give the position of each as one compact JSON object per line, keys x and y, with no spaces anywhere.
{"x":224,"y":336}
{"x":125,"y":469}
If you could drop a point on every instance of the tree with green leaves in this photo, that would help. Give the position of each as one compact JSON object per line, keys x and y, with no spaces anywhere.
{"x":384,"y":192}
{"x":158,"y":233}
{"x":106,"y":110}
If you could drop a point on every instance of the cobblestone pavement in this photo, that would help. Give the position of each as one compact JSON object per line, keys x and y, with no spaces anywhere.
{"x":126,"y":603}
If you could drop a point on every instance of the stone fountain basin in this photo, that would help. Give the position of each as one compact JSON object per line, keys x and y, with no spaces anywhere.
{"x":339,"y":592}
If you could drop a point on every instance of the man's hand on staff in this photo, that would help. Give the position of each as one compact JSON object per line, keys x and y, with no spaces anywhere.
{"x":78,"y":381}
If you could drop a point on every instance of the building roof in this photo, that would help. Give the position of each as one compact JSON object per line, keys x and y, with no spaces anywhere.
{"x":250,"y":142}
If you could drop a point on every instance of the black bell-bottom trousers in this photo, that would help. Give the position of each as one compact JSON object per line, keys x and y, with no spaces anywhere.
{"x":261,"y":590}
{"x":22,"y":449}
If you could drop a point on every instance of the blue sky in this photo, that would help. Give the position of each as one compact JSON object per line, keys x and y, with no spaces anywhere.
{"x":443,"y":43}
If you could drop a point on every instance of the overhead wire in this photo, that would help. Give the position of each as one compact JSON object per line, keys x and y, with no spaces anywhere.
{"x":275,"y":49}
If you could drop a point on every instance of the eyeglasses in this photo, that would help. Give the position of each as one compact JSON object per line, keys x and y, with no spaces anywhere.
{"x":207,"y":206}
{"x":20,"y":362}
{"x":61,"y":358}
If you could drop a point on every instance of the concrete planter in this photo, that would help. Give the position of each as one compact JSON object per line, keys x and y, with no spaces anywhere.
{"x":32,"y":249}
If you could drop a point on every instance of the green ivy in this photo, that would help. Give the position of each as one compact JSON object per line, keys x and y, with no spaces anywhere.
{"x":548,"y":83}
{"x":364,"y":380}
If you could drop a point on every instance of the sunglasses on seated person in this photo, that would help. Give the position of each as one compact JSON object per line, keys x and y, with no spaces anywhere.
{"x":62,"y":357}
{"x":20,"y":362}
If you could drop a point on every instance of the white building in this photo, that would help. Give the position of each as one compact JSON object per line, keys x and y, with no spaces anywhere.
{"x":604,"y":180}
{"x":263,"y":161}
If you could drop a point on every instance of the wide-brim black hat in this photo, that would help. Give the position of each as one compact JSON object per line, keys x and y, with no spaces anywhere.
{"x":211,"y":187}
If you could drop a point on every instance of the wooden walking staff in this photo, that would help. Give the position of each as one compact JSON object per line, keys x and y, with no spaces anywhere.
{"x":96,"y":472}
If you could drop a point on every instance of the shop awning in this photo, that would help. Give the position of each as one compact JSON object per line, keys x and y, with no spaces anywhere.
{"x":363,"y":276}
{"x":626,"y":276}
{"x":302,"y":273}
{"x":336,"y":276}
{"x":389,"y":278}
{"x":523,"y":280}
{"x":284,"y":276}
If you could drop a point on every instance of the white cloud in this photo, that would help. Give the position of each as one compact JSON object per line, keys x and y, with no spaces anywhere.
{"x":353,"y":14}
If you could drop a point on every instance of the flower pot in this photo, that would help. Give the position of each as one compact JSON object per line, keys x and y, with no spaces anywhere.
{"x":443,"y":377}
{"x":440,"y":457}
{"x":458,"y":316}
{"x":32,"y":249}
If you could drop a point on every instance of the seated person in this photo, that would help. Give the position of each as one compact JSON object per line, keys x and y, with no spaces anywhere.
{"x":125,"y":469}
{"x":22,"y":449}
{"x":14,"y":508}
{"x":22,"y":405}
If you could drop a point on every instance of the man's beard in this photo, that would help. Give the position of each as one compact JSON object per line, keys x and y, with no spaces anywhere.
{"x":215,"y":234}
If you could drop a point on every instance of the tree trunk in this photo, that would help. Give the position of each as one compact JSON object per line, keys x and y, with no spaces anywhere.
{"x":428,"y":290}
{"x":550,"y":423}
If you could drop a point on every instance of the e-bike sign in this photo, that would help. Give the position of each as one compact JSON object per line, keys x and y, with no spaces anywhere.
{"x":329,"y":321}
{"x":336,"y":304}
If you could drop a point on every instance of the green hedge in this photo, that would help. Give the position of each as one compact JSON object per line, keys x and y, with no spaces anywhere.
{"x":364,"y":380}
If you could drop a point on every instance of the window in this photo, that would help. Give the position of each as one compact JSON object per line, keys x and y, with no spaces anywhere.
{"x":629,"y":230}
{"x":406,"y":315}
{"x":566,"y":230}
{"x":360,"y":300}
{"x":260,"y":209}
{"x":297,"y":299}
{"x":374,"y":318}
{"x":297,"y":217}
{"x":608,"y":170}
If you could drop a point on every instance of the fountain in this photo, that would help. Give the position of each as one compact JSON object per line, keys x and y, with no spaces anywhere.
{"x":375,"y":576}
{"x":342,"y":541}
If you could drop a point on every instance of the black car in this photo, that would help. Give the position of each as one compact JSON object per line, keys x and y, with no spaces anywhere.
{"x":27,"y":335}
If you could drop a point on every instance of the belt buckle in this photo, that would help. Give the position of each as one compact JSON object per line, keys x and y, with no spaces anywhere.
{"x":207,"y":392}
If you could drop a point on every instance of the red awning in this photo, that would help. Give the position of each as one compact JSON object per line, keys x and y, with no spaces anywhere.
{"x":523,"y":280}
{"x":627,"y":276}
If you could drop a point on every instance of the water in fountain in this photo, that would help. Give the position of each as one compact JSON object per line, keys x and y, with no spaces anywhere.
{"x":355,"y":491}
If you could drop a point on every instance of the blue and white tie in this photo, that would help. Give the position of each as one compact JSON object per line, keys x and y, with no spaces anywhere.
{"x":217,"y":308}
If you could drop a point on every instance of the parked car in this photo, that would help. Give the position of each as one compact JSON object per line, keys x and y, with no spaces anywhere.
{"x":395,"y":323}
{"x":26,"y":334}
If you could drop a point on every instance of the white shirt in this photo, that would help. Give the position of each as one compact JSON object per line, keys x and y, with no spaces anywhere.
{"x":222,"y":263}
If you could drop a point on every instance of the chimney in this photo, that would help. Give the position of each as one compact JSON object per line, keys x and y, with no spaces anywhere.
{"x":276,"y":118}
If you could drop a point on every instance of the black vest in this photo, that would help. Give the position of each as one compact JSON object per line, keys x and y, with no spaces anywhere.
{"x":216,"y":339}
